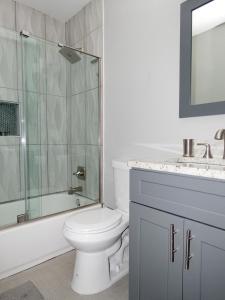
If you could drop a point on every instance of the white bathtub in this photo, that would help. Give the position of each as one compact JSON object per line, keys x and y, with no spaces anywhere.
{"x":29,"y":244}
{"x":41,"y":206}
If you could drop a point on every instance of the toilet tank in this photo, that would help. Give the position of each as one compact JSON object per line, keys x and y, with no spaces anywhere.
{"x":121,"y":184}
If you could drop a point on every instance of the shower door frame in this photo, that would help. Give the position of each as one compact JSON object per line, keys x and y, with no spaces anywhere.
{"x":23,"y":134}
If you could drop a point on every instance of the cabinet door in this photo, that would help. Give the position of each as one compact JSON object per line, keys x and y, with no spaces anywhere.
{"x":204,"y":278}
{"x":154,"y":273}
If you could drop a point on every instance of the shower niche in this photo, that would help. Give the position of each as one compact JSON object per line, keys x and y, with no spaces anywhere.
{"x":9,"y":119}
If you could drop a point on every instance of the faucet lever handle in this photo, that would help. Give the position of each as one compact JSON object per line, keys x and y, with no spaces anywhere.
{"x":220,"y":135}
{"x":208,"y":153}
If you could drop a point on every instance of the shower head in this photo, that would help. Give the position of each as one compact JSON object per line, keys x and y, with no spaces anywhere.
{"x":70,"y":54}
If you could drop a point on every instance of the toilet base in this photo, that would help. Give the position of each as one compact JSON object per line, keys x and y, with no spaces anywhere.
{"x":92,"y":271}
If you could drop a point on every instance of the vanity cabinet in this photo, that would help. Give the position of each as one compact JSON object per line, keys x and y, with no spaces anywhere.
{"x":173,"y":254}
{"x":206,"y":274}
{"x":155,"y":273}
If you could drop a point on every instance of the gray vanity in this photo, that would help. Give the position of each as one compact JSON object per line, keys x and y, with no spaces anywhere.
{"x":177,"y":236}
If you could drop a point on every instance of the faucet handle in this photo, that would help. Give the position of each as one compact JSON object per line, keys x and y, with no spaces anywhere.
{"x":220,"y":135}
{"x":208,"y":153}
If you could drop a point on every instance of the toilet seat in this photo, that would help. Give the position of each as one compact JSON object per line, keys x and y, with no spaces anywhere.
{"x":94,"y":221}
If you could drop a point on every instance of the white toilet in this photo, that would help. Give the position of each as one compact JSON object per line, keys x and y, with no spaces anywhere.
{"x":101,"y":238}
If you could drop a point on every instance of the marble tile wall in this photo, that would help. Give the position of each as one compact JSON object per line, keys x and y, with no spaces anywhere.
{"x":46,"y":100}
{"x":16,"y":16}
{"x":10,"y":177}
{"x":57,"y":168}
{"x":7,"y":14}
{"x":85,"y":30}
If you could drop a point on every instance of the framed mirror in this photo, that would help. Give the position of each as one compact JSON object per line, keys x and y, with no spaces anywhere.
{"x":202,"y":58}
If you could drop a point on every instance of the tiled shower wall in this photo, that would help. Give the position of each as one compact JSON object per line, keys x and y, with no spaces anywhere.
{"x":15,"y":16}
{"x":85,"y":30}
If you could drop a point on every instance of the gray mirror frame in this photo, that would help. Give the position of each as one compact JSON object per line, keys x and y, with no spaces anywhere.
{"x":185,"y":108}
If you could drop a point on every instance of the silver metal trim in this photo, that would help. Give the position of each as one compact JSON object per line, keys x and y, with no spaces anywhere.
{"x":75,"y":190}
{"x":188,"y":255}
{"x":23,"y":129}
{"x":80,"y":173}
{"x":219,"y":136}
{"x":188,"y":145}
{"x":100,"y":138}
{"x":173,"y":250}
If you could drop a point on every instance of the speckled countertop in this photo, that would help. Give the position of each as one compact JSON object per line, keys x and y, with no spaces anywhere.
{"x":196,"y":169}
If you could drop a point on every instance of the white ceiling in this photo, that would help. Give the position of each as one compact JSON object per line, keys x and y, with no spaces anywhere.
{"x":59,"y":9}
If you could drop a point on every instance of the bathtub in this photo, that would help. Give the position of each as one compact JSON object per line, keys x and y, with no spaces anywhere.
{"x":47,"y":205}
{"x":31,"y":243}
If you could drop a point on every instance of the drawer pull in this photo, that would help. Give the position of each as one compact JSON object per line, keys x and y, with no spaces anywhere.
{"x":173,"y":250}
{"x":188,"y":255}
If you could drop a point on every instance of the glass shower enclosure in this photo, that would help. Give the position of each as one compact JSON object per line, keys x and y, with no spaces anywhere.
{"x":49,"y":160}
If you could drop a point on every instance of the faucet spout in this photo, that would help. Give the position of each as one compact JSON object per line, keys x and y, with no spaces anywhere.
{"x":220,"y":135}
{"x":75,"y":190}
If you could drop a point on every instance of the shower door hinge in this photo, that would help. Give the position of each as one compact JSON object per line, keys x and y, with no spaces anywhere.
{"x":22,"y":218}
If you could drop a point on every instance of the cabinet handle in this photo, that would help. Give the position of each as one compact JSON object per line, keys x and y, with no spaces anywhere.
{"x":173,"y":250}
{"x":188,"y":255}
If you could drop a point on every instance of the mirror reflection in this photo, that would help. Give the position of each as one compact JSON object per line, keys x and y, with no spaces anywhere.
{"x":208,"y":53}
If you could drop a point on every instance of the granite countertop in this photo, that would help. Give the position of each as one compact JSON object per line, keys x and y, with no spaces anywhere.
{"x":196,"y":169}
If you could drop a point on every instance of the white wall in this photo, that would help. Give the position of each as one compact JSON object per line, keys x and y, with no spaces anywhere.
{"x":141,"y":100}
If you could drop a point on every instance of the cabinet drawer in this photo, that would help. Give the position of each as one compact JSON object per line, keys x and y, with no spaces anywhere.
{"x":197,"y":198}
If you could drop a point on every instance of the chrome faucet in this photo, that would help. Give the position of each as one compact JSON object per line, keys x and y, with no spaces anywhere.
{"x":220,"y":135}
{"x":208,"y":153}
{"x":80,"y":173}
{"x":75,"y":190}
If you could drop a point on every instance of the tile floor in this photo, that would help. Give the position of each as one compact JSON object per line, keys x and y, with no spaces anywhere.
{"x":53,"y":277}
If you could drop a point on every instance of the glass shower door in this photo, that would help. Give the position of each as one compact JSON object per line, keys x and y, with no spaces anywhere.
{"x":52,"y":94}
{"x":33,"y":129}
{"x":11,"y":196}
{"x":60,"y":128}
{"x":84,"y":125}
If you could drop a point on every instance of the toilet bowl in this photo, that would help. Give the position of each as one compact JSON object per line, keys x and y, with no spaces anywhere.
{"x":101,"y":238}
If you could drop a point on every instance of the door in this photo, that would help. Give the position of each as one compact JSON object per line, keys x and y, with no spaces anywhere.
{"x":33,"y":124}
{"x":156,"y":254}
{"x":204,"y":272}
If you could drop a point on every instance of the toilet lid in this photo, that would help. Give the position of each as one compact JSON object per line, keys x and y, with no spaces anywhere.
{"x":94,"y":220}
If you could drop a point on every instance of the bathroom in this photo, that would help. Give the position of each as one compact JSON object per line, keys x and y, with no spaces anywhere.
{"x":90,"y":86}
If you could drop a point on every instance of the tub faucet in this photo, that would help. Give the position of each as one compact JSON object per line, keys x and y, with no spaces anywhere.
{"x":220,"y":135}
{"x":75,"y":190}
